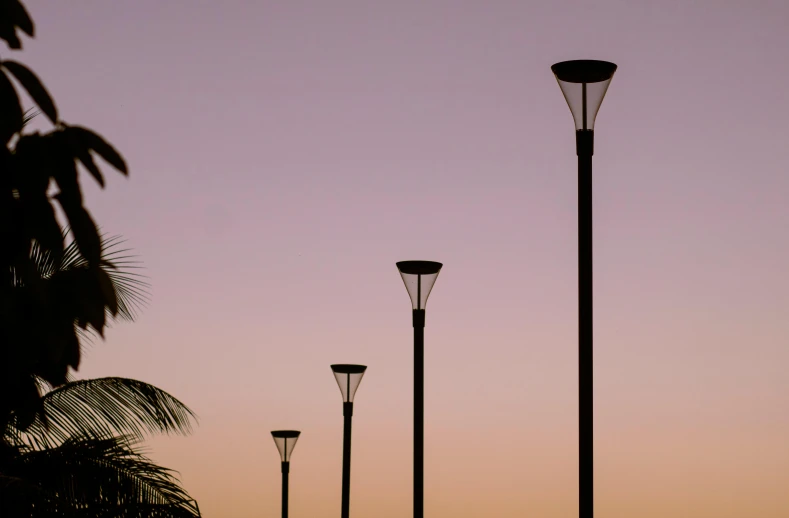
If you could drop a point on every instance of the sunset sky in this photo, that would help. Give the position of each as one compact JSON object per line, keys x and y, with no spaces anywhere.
{"x":284,"y":155}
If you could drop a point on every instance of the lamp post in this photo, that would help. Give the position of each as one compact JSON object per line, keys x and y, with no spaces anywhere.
{"x":584,"y":83}
{"x":285,"y":441}
{"x":348,"y":378}
{"x":419,"y":277}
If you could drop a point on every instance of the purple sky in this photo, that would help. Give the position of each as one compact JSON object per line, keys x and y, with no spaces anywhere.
{"x":284,"y":155}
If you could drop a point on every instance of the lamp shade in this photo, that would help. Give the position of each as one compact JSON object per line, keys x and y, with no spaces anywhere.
{"x":348,"y":378}
{"x":285,"y":441}
{"x":584,"y":83}
{"x":419,"y":277}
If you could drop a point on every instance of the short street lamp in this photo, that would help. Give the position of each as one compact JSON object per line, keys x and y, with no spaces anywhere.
{"x":348,"y":378}
{"x":285,"y":441}
{"x":419,"y":277}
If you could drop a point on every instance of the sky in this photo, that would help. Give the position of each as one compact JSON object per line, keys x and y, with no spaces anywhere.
{"x":284,"y":155}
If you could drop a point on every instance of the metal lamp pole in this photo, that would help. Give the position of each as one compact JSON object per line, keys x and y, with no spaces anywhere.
{"x":285,"y":441}
{"x":419,"y":277}
{"x":348,"y":378}
{"x":584,"y":84}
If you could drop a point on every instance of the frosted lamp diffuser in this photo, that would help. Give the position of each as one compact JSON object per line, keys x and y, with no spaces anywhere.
{"x":285,"y":441}
{"x":419,"y":277}
{"x":584,"y":83}
{"x":348,"y":378}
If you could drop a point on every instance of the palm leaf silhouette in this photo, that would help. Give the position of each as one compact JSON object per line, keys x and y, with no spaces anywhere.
{"x":130,"y":286}
{"x":99,"y":476}
{"x":106,"y":406}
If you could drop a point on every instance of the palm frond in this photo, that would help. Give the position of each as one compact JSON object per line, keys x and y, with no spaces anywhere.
{"x":101,"y":476}
{"x":29,"y":115}
{"x":131,"y":287}
{"x":104,"y":406}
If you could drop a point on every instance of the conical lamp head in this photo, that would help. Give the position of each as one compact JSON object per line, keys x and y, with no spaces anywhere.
{"x":348,"y":378}
{"x":285,"y":441}
{"x":419,"y":277}
{"x":584,"y":83}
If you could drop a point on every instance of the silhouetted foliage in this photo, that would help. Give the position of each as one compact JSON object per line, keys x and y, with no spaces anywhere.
{"x":78,"y":457}
{"x":67,"y":448}
{"x":42,"y":312}
{"x":102,"y":407}
{"x":90,"y":476}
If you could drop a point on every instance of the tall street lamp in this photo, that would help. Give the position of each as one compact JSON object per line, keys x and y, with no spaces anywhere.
{"x":584,"y":83}
{"x":285,"y":441}
{"x":348,"y":378}
{"x":419,"y":277}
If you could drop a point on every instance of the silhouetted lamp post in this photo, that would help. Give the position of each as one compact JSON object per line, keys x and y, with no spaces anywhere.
{"x":584,"y":83}
{"x":348,"y":378}
{"x":419,"y":277}
{"x":285,"y":441}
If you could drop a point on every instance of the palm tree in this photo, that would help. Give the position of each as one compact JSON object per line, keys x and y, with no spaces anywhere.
{"x":53,"y":298}
{"x":78,"y":455}
{"x":73,"y":460}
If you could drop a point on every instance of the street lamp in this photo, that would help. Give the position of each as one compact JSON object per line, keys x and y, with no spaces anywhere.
{"x":285,"y":441}
{"x":419,"y":277}
{"x":348,"y":378}
{"x":584,"y":83}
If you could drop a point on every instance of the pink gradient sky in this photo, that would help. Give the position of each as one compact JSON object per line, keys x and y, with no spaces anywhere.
{"x":285,"y":154}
